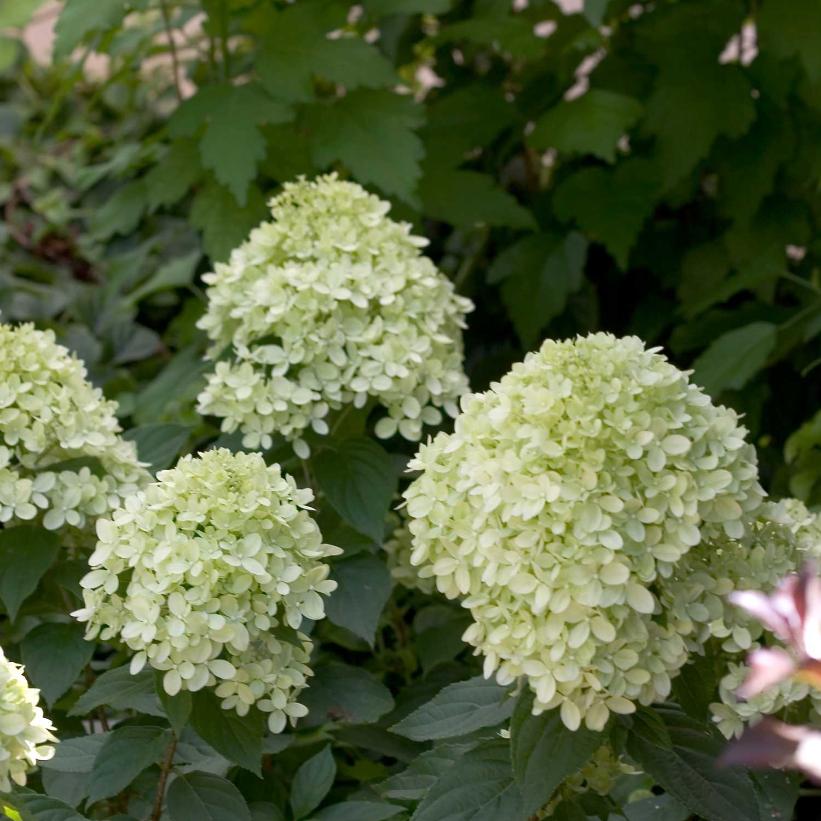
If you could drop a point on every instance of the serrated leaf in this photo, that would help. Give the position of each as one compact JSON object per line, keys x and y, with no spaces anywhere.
{"x":359,"y":479}
{"x":544,"y":752}
{"x":791,"y":27}
{"x":121,"y":212}
{"x":26,"y":553}
{"x":177,"y":707}
{"x":478,"y":787}
{"x":466,"y":198}
{"x":689,"y":771}
{"x":538,"y":275}
{"x":223,"y":222}
{"x":312,"y":782}
{"x":231,"y":144}
{"x":174,"y":175}
{"x":54,"y":655}
{"x":691,"y":107}
{"x":238,"y":738}
{"x":205,"y":797}
{"x":610,"y":205}
{"x":358,"y":811}
{"x":374,"y":134}
{"x":656,"y":808}
{"x":79,"y":18}
{"x":296,"y":48}
{"x":125,"y":753}
{"x":76,"y":755}
{"x":341,"y":692}
{"x":158,"y":445}
{"x":357,"y":603}
{"x":735,"y":357}
{"x":117,"y":688}
{"x":179,"y":381}
{"x":414,"y":782}
{"x":458,"y":709}
{"x":590,"y":124}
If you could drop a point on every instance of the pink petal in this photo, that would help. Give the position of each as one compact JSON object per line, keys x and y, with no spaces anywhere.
{"x":769,"y":743}
{"x":768,"y":666}
{"x":763,"y":608}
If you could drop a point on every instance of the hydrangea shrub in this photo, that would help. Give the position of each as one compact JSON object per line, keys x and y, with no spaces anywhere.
{"x":52,"y":422}
{"x":330,"y":304}
{"x":199,"y":572}
{"x":565,"y":497}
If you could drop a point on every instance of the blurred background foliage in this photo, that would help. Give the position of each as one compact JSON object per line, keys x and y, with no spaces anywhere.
{"x":648,"y":168}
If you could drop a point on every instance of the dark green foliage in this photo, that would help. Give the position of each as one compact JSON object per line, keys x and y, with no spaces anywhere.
{"x":628,"y":167}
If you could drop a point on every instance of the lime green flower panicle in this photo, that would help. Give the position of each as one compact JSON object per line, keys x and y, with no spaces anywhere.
{"x":207,"y":575}
{"x":566,"y":495}
{"x":25,"y":732}
{"x":50,"y":416}
{"x":331,"y":304}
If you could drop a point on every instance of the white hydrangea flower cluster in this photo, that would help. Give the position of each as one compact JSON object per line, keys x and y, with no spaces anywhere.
{"x":52,"y":420}
{"x":330,"y":304}
{"x":206,"y":574}
{"x":24,"y":730}
{"x":398,"y":550}
{"x":565,"y":497}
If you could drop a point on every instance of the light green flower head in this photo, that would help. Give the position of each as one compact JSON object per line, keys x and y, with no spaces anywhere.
{"x":330,"y":304}
{"x":566,"y":493}
{"x":62,"y":459}
{"x":207,"y":576}
{"x":24,"y":730}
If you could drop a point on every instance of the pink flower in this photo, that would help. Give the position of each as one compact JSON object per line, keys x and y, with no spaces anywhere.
{"x":793,"y":613}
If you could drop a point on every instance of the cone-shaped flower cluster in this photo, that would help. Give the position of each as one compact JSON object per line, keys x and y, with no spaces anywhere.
{"x":24,"y":730}
{"x":330,"y":304}
{"x":62,"y":459}
{"x":561,"y":506}
{"x":207,"y":575}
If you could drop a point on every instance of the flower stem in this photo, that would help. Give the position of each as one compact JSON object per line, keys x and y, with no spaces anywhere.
{"x":164,"y":771}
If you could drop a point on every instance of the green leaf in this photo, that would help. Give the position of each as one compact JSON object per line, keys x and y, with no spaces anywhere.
{"x":341,"y":692}
{"x":358,"y":811}
{"x":265,"y":811}
{"x":177,"y":708}
{"x":158,"y":445}
{"x":590,"y":124}
{"x":778,"y":792}
{"x":735,"y":357}
{"x":544,"y":752}
{"x":16,"y":13}
{"x":689,"y":771}
{"x":312,"y":782}
{"x":373,"y":134}
{"x":117,"y":688}
{"x":177,"y":273}
{"x":35,"y":807}
{"x":121,"y":212}
{"x":691,"y":107}
{"x":610,"y":205}
{"x":223,"y":223}
{"x":205,"y":797}
{"x":383,"y":8}
{"x":238,"y":738}
{"x":478,"y":787}
{"x":231,"y":144}
{"x":76,"y":755}
{"x":458,"y":709}
{"x":179,"y":381}
{"x":364,"y":587}
{"x":9,"y":52}
{"x":467,"y":198}
{"x":539,"y":273}
{"x":174,"y":175}
{"x":54,"y":655}
{"x":359,"y":479}
{"x":656,"y":808}
{"x":790,"y":27}
{"x":26,"y":553}
{"x":79,"y":18}
{"x":123,"y":756}
{"x":296,"y":48}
